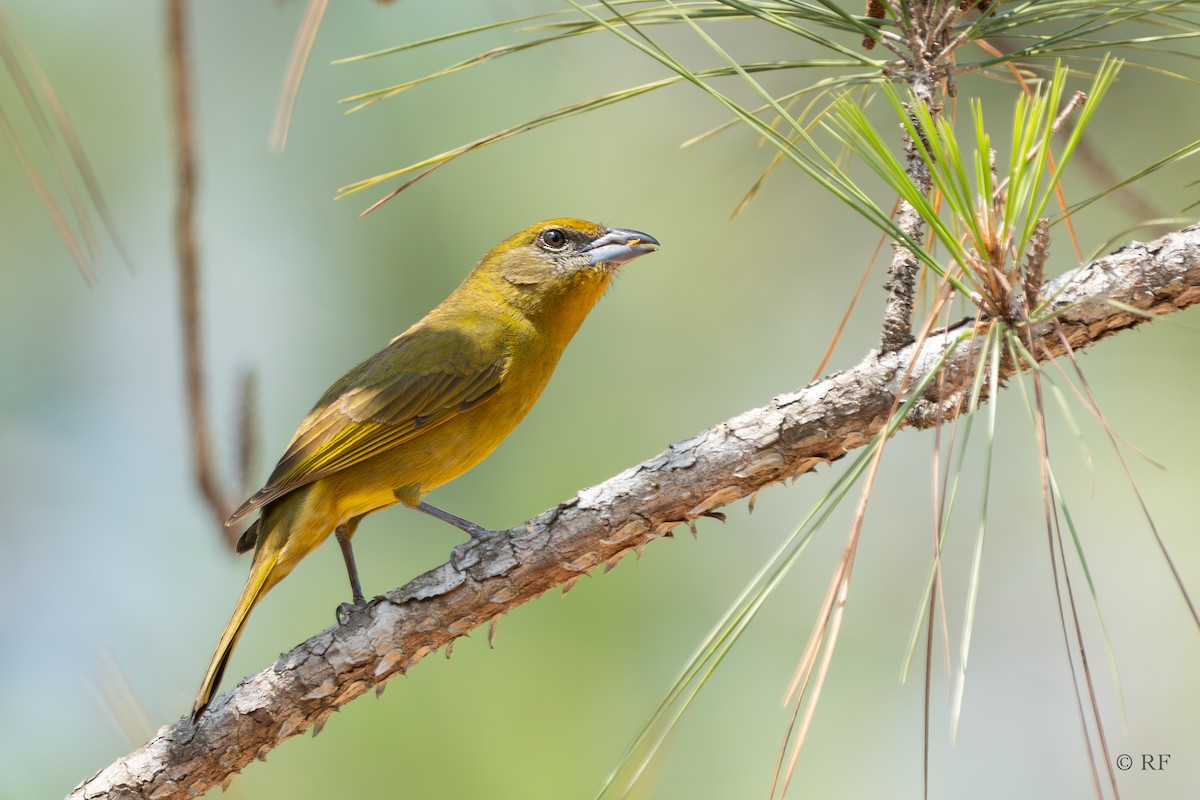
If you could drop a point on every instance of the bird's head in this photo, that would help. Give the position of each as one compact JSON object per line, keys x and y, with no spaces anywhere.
{"x":569,"y":256}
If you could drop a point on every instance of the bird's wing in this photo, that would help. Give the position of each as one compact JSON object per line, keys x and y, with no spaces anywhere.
{"x":422,"y":379}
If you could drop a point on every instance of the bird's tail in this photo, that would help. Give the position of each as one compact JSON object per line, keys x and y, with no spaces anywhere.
{"x":261,"y":579}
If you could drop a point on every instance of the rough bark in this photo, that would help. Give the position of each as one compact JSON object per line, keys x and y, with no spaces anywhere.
{"x":787,"y":437}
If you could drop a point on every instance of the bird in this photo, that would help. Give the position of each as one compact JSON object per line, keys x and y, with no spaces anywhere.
{"x":427,"y":407}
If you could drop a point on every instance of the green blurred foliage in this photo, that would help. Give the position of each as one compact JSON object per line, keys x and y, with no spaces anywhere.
{"x":107,"y":558}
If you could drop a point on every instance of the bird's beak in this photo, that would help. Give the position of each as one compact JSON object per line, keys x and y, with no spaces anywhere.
{"x":618,"y":245}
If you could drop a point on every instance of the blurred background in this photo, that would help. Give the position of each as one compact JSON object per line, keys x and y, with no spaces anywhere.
{"x":114,"y":585}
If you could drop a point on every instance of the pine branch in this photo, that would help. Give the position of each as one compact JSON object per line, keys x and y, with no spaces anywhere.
{"x":790,"y":436}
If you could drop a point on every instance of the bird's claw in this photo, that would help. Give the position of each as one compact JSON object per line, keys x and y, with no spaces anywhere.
{"x":344,"y":610}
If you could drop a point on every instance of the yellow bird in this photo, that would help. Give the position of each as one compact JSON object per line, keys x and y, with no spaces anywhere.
{"x":428,"y":407}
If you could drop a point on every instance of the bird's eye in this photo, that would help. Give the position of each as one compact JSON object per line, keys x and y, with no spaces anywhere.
{"x":553,"y":239}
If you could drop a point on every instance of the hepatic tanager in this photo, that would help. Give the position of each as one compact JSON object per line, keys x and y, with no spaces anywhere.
{"x":429,"y":406}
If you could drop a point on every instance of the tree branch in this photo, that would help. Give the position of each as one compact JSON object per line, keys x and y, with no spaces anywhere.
{"x":791,"y":435}
{"x":901,"y":285}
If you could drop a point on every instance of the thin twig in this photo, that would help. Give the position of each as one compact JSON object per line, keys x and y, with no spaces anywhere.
{"x":189,"y":269}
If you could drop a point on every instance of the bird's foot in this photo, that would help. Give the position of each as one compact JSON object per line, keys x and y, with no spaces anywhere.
{"x":462,"y":552}
{"x":345,"y":610}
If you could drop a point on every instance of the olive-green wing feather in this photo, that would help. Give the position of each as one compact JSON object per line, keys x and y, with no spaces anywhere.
{"x":422,"y":379}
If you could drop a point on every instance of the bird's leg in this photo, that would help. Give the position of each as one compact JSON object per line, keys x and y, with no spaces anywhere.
{"x":469,"y":528}
{"x":343,"y":541}
{"x":343,"y":533}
